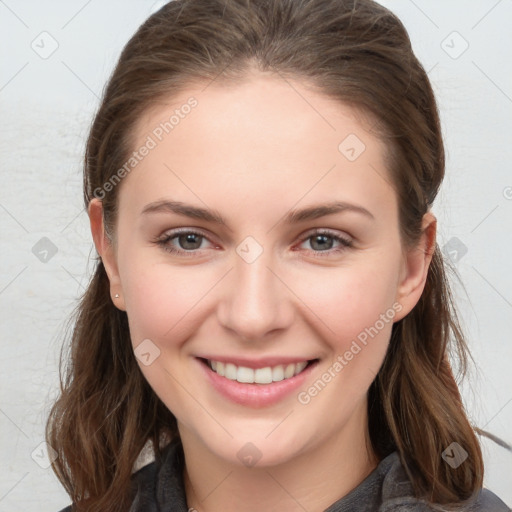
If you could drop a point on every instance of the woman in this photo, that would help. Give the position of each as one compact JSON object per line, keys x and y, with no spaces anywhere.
{"x":269,"y":309}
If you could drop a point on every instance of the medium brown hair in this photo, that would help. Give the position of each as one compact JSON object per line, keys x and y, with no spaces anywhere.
{"x":359,"y":53}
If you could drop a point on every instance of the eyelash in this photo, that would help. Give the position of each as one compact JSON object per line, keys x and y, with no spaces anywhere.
{"x":164,"y":242}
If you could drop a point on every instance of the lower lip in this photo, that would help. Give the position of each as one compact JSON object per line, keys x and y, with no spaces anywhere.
{"x":255,"y":395}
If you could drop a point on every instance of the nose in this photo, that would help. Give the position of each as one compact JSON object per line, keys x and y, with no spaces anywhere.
{"x":256,"y":303}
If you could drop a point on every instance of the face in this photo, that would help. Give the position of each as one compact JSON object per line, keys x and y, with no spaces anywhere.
{"x":259,"y":260}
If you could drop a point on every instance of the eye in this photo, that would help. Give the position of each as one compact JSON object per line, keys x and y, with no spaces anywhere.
{"x":189,"y":243}
{"x":322,"y":242}
{"x":184,"y":242}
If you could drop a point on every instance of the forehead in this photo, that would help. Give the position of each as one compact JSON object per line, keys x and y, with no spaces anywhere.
{"x":264,"y":135}
{"x":264,"y":106}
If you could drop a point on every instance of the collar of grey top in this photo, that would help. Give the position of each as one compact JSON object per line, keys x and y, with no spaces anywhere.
{"x":159,"y":487}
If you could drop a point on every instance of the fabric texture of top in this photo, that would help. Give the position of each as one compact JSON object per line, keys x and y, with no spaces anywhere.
{"x":160,"y":488}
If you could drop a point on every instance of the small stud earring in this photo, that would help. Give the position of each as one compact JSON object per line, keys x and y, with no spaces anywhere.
{"x":116,"y":296}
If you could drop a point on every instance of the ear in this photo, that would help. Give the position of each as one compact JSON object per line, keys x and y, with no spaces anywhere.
{"x":106,"y":250}
{"x":414,"y":267}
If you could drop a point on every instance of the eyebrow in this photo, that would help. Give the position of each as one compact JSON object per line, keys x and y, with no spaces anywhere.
{"x":293,"y":217}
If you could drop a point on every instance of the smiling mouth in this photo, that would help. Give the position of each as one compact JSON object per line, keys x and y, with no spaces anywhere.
{"x":265,"y":375}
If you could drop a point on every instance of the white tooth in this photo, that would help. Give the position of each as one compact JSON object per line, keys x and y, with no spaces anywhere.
{"x":260,"y":376}
{"x":289,"y":371}
{"x":278,"y":373}
{"x":245,"y":375}
{"x":300,"y":366}
{"x":220,"y":369}
{"x":230,"y":371}
{"x":263,"y":375}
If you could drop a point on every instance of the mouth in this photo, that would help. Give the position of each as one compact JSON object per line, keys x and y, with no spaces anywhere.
{"x":263,"y":375}
{"x":256,"y":383}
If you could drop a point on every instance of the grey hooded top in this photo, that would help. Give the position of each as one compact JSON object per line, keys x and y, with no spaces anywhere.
{"x":159,"y":487}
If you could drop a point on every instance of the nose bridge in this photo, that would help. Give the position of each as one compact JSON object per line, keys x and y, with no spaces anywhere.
{"x":255,"y":301}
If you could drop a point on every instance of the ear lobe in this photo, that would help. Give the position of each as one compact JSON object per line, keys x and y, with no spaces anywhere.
{"x":106,"y":251}
{"x":415,"y":265}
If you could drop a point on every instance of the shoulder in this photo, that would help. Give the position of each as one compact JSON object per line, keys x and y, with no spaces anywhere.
{"x":157,"y":482}
{"x":398,"y":495}
{"x":488,"y":501}
{"x":143,"y":484}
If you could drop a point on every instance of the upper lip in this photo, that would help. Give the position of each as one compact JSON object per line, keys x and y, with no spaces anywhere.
{"x":257,"y":363}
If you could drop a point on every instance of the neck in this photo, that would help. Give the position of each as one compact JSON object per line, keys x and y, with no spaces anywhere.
{"x":313,"y":480}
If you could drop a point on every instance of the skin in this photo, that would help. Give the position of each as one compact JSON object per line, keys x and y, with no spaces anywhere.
{"x":253,"y":151}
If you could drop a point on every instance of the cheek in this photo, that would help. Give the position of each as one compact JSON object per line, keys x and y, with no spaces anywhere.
{"x":160,"y":299}
{"x":164,"y":301}
{"x":349,"y":301}
{"x":357,"y":311}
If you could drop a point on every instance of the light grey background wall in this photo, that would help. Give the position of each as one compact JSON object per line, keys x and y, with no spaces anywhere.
{"x":55,"y":58}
